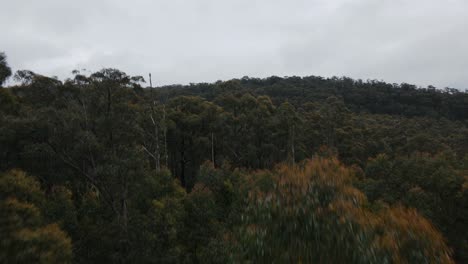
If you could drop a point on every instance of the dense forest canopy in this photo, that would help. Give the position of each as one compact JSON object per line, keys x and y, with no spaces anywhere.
{"x":101,"y":168}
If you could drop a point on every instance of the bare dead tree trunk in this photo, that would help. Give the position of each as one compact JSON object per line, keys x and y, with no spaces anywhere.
{"x":151,"y":83}
{"x":109,"y":113}
{"x":157,"y":154}
{"x":165,"y":135}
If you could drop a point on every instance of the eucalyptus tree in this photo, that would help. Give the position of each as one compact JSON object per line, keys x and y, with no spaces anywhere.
{"x":5,"y":70}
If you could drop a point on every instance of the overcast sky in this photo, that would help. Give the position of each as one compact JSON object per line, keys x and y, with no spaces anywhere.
{"x":416,"y":41}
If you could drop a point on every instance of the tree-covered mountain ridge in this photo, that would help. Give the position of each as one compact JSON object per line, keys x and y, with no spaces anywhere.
{"x":372,"y":96}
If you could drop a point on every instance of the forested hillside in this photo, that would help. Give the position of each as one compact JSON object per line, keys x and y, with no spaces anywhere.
{"x":102,"y":168}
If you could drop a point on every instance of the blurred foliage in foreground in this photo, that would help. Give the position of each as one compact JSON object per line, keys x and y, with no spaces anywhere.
{"x":311,"y":213}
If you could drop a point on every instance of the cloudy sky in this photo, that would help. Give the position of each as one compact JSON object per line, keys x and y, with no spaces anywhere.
{"x":417,"y":41}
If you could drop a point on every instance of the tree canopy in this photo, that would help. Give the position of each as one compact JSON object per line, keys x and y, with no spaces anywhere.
{"x":5,"y":70}
{"x":99,"y":168}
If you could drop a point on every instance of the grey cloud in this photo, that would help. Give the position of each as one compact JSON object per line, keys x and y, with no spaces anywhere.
{"x":421,"y":42}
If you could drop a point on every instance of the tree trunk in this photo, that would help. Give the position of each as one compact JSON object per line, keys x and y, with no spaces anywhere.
{"x":157,"y":153}
{"x":182,"y":165}
{"x":166,"y":157}
{"x":212,"y":149}
{"x":293,"y":153}
{"x":122,"y":220}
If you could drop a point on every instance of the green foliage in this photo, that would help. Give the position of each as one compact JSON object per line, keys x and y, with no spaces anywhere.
{"x":157,"y":219}
{"x":8,"y":102}
{"x":432,"y":184}
{"x":5,"y":70}
{"x":26,"y":236}
{"x":313,"y":214}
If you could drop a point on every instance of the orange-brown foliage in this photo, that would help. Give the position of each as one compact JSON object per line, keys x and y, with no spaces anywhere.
{"x":311,"y":212}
